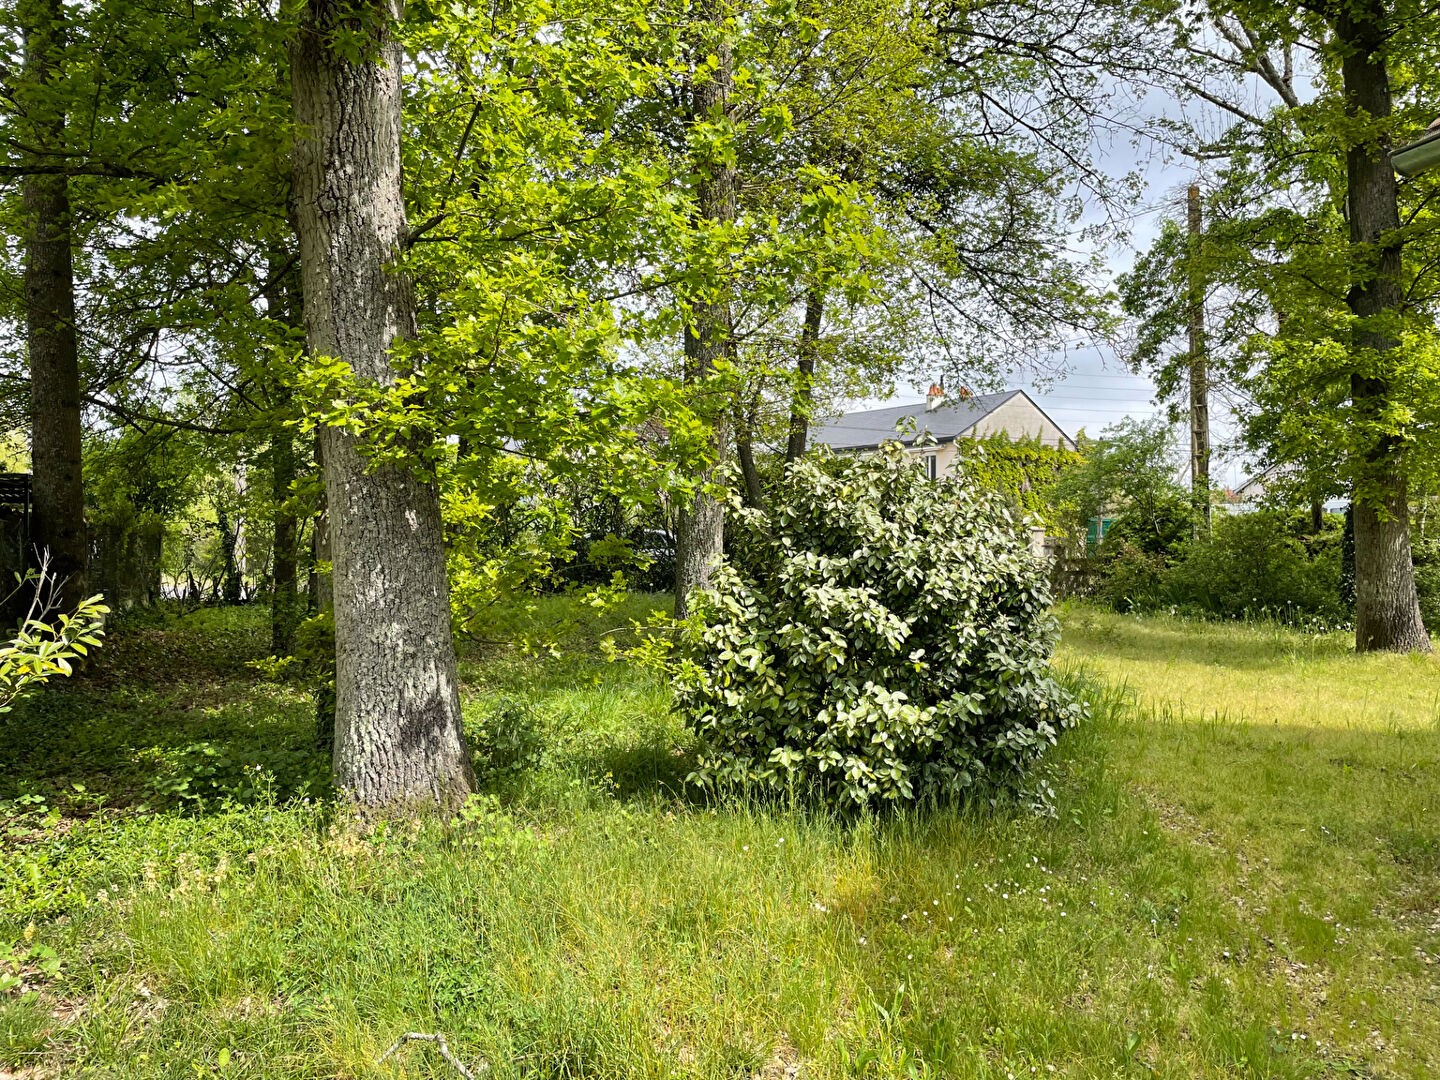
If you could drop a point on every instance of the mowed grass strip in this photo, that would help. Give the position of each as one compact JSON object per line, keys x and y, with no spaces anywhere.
{"x":1213,"y":898}
{"x":1252,"y":673}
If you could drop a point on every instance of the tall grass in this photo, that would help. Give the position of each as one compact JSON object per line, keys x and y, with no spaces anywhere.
{"x":1213,"y":898}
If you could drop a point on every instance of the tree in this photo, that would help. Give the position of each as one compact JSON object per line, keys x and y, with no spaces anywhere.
{"x":1330,"y":326}
{"x":55,"y":421}
{"x":398,"y":734}
{"x":1387,"y":608}
{"x":709,"y":328}
{"x":906,"y":220}
{"x":1129,"y":470}
{"x":167,"y":134}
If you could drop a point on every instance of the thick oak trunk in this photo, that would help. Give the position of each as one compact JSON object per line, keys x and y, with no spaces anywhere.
{"x":55,"y":422}
{"x":397,"y":725}
{"x":700,"y":525}
{"x":1387,"y":610}
{"x":803,"y":402}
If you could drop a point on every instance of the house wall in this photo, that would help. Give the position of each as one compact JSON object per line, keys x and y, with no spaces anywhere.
{"x":945,"y":456}
{"x":1017,"y":419}
{"x":1020,"y":419}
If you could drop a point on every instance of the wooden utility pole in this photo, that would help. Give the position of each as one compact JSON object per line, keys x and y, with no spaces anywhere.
{"x":1199,"y":374}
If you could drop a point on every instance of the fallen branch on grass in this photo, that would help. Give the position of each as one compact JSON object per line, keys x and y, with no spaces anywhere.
{"x":439,"y":1041}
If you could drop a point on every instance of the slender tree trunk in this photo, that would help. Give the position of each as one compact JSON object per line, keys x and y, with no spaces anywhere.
{"x":700,"y":531}
{"x":398,"y":738}
{"x":229,"y":585}
{"x":242,"y":532}
{"x":1199,"y":373}
{"x":1347,"y":559}
{"x":803,"y":402}
{"x":55,"y":440}
{"x":1387,"y":610}
{"x":284,"y":590}
{"x":284,"y":306}
{"x":745,"y":452}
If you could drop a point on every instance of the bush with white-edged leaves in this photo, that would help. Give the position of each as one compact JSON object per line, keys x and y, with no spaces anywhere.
{"x":874,"y":637}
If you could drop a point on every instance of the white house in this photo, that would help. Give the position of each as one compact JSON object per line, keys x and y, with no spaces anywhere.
{"x":946,"y":419}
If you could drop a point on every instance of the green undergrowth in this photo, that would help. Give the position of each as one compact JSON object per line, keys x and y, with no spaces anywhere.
{"x":1214,"y":897}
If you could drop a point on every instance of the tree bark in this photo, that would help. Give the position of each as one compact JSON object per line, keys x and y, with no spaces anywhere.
{"x":700,"y":527}
{"x":322,"y":583}
{"x":1387,"y":609}
{"x":803,"y":401}
{"x":398,"y":736}
{"x":55,"y":420}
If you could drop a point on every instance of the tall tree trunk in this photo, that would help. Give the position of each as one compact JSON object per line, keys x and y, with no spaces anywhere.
{"x":284,"y":591}
{"x":398,"y":738}
{"x":1199,"y":371}
{"x":55,"y":440}
{"x":242,"y":535}
{"x":284,"y":306}
{"x":227,"y":589}
{"x":803,"y":401}
{"x":749,"y":471}
{"x":1387,"y":610}
{"x":700,"y":528}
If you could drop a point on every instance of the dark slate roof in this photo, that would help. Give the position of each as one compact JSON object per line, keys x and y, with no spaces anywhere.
{"x":862,"y":430}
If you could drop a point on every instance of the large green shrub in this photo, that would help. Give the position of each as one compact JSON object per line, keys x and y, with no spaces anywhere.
{"x":874,"y":637}
{"x":1160,"y":527}
{"x":1260,"y":563}
{"x":1131,"y":578}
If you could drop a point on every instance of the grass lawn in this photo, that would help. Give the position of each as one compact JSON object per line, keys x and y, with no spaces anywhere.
{"x":1242,"y":879}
